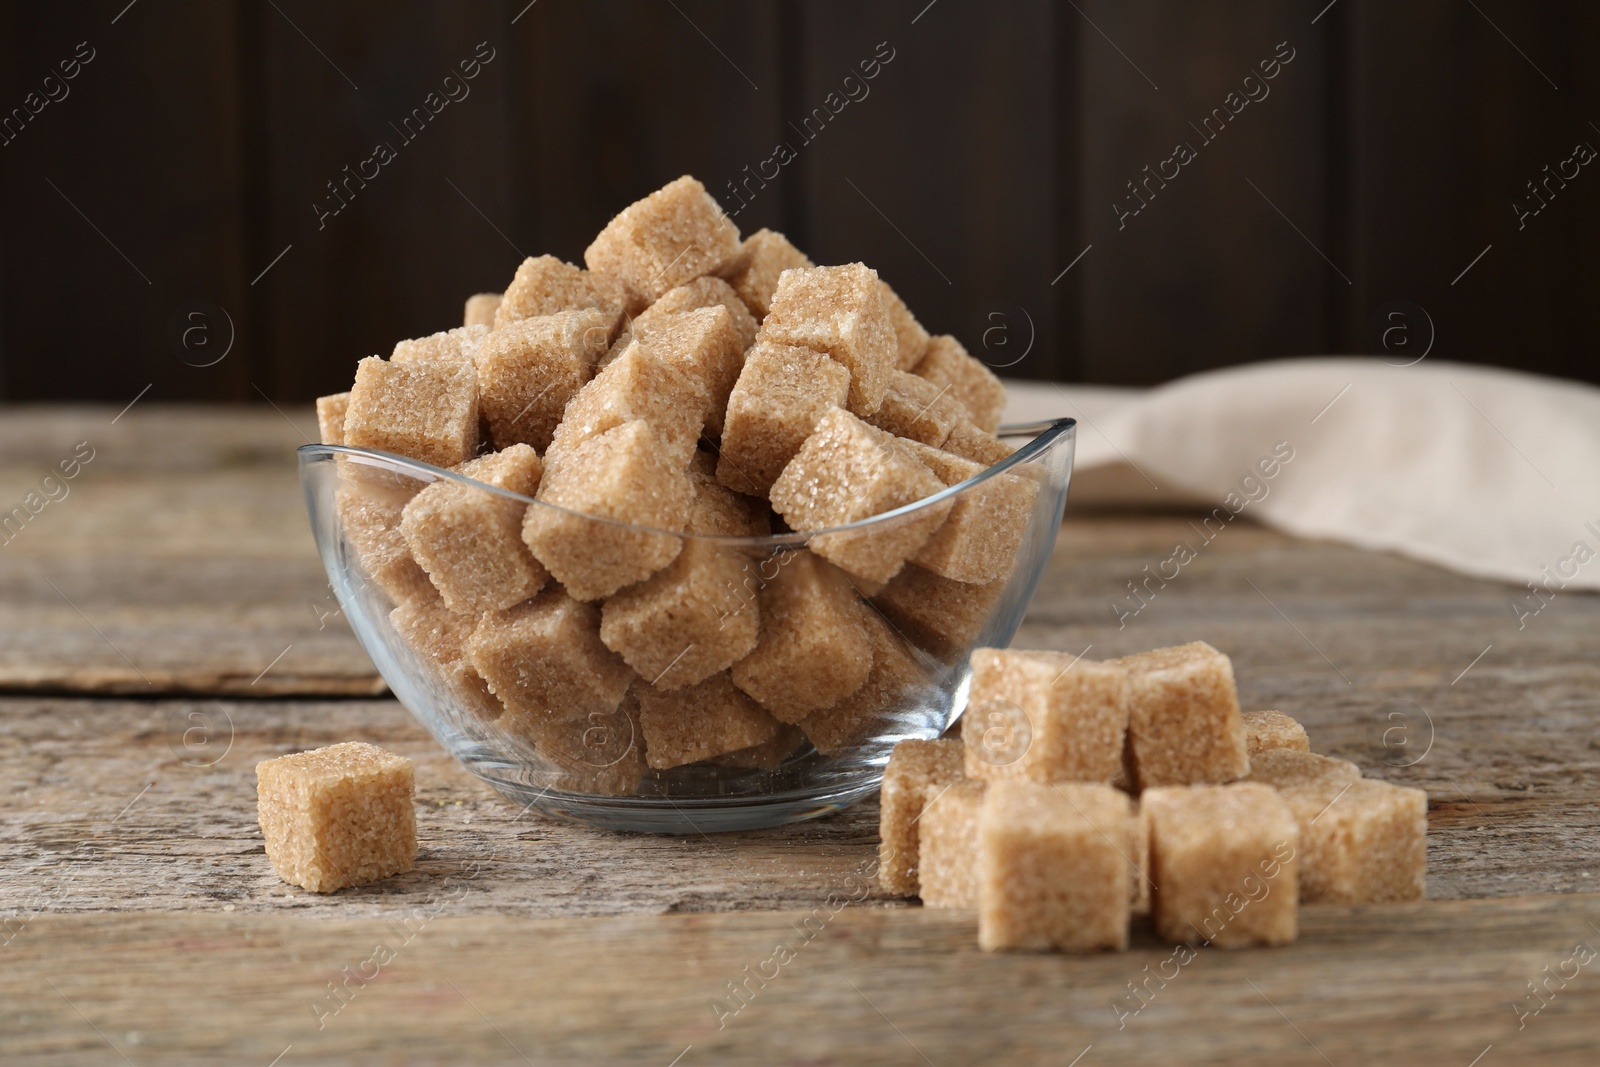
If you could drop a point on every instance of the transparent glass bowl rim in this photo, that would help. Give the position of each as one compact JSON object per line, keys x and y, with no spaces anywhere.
{"x":1045,"y":434}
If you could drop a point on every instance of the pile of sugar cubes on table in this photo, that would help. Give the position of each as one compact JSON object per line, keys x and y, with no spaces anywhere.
{"x":684,"y":381}
{"x":1231,"y":824}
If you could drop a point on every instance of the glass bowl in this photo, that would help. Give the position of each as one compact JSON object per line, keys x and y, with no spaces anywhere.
{"x":531,"y":697}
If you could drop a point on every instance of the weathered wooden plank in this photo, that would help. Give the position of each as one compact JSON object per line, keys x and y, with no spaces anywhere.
{"x":1437,"y":982}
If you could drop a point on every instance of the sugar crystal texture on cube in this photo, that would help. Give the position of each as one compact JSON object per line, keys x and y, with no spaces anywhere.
{"x":814,"y":649}
{"x":917,"y":409}
{"x":469,"y":540}
{"x":599,"y":753}
{"x":897,"y":689}
{"x":911,"y":340}
{"x":529,"y":369}
{"x":1362,"y":842}
{"x":544,"y":285}
{"x":769,"y":755}
{"x":917,"y":772}
{"x":369,"y":516}
{"x":1224,"y":862}
{"x":946,"y":363}
{"x":337,"y":816}
{"x":427,"y":411}
{"x":688,"y":621}
{"x":545,"y":661}
{"x":847,"y":471}
{"x":330,"y":417}
{"x":707,"y":292}
{"x":1282,"y":768}
{"x":448,"y":346}
{"x":720,"y":512}
{"x":1184,"y":725}
{"x":763,"y":258}
{"x":942,"y":615}
{"x":637,"y":386}
{"x":839,"y":312}
{"x":1265,"y":730}
{"x":480,"y":309}
{"x":1045,"y":717}
{"x":615,"y":498}
{"x":947,"y":846}
{"x":676,"y":234}
{"x":708,"y":719}
{"x":704,"y":344}
{"x":979,"y":446}
{"x":1052,"y":866}
{"x":979,"y":540}
{"x":781,"y":393}
{"x":438,"y":637}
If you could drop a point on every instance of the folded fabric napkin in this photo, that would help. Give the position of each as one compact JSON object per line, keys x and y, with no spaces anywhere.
{"x":1489,"y":472}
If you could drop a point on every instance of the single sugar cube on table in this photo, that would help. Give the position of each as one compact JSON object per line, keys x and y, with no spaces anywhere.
{"x":544,"y":660}
{"x":637,"y":386}
{"x":337,"y":816}
{"x":702,"y":343}
{"x":896,"y":686}
{"x":480,"y":309}
{"x":946,"y":363}
{"x":438,"y":637}
{"x":942,"y":615}
{"x":330,"y":417}
{"x":529,"y":369}
{"x":916,"y":409}
{"x":979,"y":446}
{"x":1362,"y":842}
{"x":708,"y":719}
{"x":948,"y":845}
{"x":624,"y":475}
{"x":917,"y":771}
{"x":469,"y":540}
{"x":848,"y":471}
{"x":707,"y":292}
{"x":447,"y":347}
{"x":676,"y":234}
{"x":1052,"y":864}
{"x":1184,"y":726}
{"x":369,"y":517}
{"x":781,"y":393}
{"x":1044,"y":717}
{"x":763,"y":258}
{"x":688,"y":621}
{"x":1224,"y":861}
{"x":814,"y":648}
{"x":426,"y":411}
{"x":1265,"y":730}
{"x":839,"y":312}
{"x":979,"y":540}
{"x":1283,"y":768}
{"x":911,"y":339}
{"x":545,"y":285}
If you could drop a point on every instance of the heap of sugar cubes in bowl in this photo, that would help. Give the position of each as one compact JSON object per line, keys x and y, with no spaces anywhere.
{"x":1081,"y":794}
{"x":683,"y":382}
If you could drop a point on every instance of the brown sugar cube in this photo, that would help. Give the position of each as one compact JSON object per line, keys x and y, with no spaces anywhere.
{"x":469,"y":540}
{"x":1363,"y":842}
{"x":370,"y":516}
{"x":529,"y":369}
{"x":702,"y":343}
{"x":917,"y":772}
{"x":917,"y":409}
{"x":707,"y":292}
{"x":941,"y":615}
{"x":781,"y":393}
{"x":449,"y":346}
{"x":337,"y":816}
{"x":814,"y":648}
{"x":544,"y":660}
{"x":838,"y":311}
{"x":600,"y":753}
{"x":426,"y":411}
{"x":671,"y":237}
{"x":330,"y":417}
{"x":708,"y":719}
{"x":636,"y":386}
{"x":625,"y":476}
{"x":948,"y":845}
{"x":480,"y":309}
{"x":720,"y":512}
{"x":1183,"y":724}
{"x":945,"y":362}
{"x":848,"y":471}
{"x":686,"y":622}
{"x":438,"y":637}
{"x":983,"y":533}
{"x":1045,"y":717}
{"x":765,"y":255}
{"x":1283,"y":768}
{"x":1052,"y":866}
{"x":1223,"y":860}
{"x":911,"y":339}
{"x":896,"y":683}
{"x":768,"y":755}
{"x":1273,"y":729}
{"x":546,"y":285}
{"x":979,"y":446}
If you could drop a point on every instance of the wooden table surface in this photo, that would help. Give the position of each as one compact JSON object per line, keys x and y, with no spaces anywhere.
{"x":166,"y":624}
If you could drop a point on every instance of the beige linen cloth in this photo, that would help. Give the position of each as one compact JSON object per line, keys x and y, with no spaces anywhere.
{"x":1489,"y":472}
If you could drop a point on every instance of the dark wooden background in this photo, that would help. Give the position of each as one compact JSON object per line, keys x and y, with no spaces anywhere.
{"x":189,"y":153}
